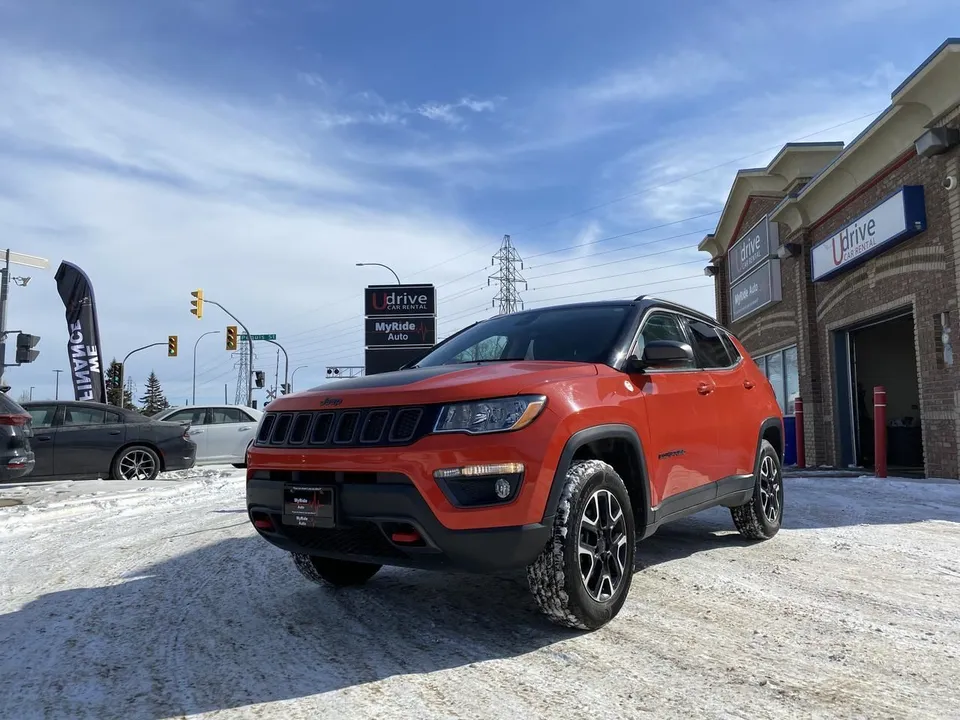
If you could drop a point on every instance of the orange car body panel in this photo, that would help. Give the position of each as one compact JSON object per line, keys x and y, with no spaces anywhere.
{"x":665,"y":410}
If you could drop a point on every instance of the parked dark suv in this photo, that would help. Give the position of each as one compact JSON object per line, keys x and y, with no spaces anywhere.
{"x":16,"y":455}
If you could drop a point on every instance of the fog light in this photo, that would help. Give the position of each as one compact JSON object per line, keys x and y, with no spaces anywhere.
{"x":472,"y":471}
{"x":502,"y":489}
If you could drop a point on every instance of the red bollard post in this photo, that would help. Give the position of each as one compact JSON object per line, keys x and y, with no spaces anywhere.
{"x":798,"y":420}
{"x":880,"y":431}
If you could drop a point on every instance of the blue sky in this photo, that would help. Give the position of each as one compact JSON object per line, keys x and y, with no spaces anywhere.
{"x":259,"y":149}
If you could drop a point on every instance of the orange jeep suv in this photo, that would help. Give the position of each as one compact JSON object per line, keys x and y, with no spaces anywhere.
{"x":551,"y":439}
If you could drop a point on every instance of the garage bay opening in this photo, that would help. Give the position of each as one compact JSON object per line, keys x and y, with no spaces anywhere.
{"x":883,"y":353}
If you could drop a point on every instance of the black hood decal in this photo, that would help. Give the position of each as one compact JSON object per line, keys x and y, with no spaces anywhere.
{"x":397,"y":378}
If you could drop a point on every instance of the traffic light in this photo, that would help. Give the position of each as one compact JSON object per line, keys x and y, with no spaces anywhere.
{"x":231,"y":337}
{"x":25,"y":351}
{"x":196,"y":305}
{"x":116,"y":373}
{"x":259,"y":378}
{"x":284,"y":388}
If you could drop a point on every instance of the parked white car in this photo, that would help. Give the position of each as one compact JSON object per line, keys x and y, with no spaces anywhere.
{"x":222,"y":432}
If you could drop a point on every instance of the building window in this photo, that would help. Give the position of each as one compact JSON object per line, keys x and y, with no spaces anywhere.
{"x":781,"y":370}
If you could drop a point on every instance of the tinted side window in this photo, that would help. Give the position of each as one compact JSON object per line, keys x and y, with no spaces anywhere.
{"x":197,"y":416}
{"x":661,"y":326}
{"x":731,"y":348}
{"x":708,"y":346}
{"x":43,"y":415}
{"x":221,"y":416}
{"x":83,"y":416}
{"x":112,"y":417}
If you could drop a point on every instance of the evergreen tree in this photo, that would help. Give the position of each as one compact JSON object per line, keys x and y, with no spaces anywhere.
{"x":153,"y":400}
{"x":113,"y":391}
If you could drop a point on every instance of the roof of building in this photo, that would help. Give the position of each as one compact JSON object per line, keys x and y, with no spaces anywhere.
{"x":922,"y":100}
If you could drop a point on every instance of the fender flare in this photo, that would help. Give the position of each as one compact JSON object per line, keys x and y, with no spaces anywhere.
{"x":612,"y":431}
{"x":772,"y":422}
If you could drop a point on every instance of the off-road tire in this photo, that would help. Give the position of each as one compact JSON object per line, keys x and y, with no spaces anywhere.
{"x":328,"y":571}
{"x":751,"y":519}
{"x":116,"y":469}
{"x":555,"y":576}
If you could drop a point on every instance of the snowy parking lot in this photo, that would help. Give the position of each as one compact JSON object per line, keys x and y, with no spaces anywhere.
{"x":158,"y":601}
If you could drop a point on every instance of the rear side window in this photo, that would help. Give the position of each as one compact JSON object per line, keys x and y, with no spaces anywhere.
{"x":709,"y":346}
{"x":731,"y":348}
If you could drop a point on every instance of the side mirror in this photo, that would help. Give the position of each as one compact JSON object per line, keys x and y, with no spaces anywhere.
{"x":666,"y":353}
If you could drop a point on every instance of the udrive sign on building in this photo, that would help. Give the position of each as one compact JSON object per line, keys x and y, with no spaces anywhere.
{"x":900,"y":216}
{"x":400,"y":325}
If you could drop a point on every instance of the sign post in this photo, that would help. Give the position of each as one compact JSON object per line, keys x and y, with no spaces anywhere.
{"x":400,"y":325}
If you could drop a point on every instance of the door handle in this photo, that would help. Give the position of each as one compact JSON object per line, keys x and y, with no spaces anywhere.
{"x":748,"y":384}
{"x":704,"y":389}
{"x":243,"y":429}
{"x":114,"y":432}
{"x":42,"y":437}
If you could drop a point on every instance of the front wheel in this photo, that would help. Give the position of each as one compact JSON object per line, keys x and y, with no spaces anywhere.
{"x":760,"y":517}
{"x":137,"y":462}
{"x":339,"y":573}
{"x":582,"y":577}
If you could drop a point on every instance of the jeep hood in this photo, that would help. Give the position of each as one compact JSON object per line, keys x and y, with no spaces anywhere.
{"x":429,"y":385}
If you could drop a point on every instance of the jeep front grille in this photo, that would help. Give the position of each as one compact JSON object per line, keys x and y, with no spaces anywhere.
{"x":361,"y":427}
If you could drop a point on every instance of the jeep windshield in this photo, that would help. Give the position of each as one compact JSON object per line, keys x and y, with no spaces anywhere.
{"x":570,"y":334}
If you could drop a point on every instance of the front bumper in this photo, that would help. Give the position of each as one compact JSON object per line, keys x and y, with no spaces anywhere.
{"x":368,"y":514}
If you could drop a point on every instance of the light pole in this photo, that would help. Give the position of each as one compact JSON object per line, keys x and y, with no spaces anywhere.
{"x":210,"y":332}
{"x":31,"y":393}
{"x":56,"y":395}
{"x":123,"y":367}
{"x":383,"y":266}
{"x":18,"y":259}
{"x":294,"y":374}
{"x":249,"y":347}
{"x":286,"y":360}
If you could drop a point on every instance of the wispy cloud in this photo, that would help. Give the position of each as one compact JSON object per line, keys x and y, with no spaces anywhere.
{"x":674,"y":76}
{"x":450,"y":113}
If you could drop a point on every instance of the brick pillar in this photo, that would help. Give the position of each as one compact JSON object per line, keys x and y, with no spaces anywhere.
{"x":809,"y":359}
{"x":721,"y":295}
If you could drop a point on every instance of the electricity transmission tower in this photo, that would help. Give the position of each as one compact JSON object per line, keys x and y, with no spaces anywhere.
{"x":243,"y":372}
{"x":508,"y":278}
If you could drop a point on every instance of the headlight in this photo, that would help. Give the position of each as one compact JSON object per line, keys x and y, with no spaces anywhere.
{"x":489,"y":416}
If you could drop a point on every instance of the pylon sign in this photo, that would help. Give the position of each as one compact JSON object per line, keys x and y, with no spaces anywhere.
{"x":400,"y":325}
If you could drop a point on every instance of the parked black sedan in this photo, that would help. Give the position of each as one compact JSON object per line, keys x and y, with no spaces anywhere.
{"x":84,"y":439}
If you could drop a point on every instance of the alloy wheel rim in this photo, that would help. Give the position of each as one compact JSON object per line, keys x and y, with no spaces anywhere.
{"x":602,"y":547}
{"x":771,"y":489}
{"x":137,"y":465}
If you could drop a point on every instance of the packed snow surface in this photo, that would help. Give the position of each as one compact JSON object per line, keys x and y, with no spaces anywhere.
{"x":157,"y":600}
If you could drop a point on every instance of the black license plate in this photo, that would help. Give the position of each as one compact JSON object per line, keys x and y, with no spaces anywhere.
{"x":311,"y":507}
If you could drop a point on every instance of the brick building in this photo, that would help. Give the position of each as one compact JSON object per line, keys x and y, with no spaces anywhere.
{"x":838,"y":267}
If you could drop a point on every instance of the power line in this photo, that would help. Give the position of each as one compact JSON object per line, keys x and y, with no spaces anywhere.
{"x":625,"y":274}
{"x":623,"y":248}
{"x":626,"y":234}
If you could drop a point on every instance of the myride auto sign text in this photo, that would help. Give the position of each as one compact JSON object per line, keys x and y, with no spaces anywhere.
{"x":899,"y":217}
{"x":397,"y":332}
{"x":758,"y":289}
{"x":756,"y":245}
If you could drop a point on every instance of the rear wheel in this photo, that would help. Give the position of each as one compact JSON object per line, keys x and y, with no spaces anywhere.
{"x":583,"y":575}
{"x":137,"y":462}
{"x":760,"y":517}
{"x":339,"y":573}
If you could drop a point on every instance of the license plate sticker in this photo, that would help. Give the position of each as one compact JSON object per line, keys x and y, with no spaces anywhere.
{"x":306,"y":506}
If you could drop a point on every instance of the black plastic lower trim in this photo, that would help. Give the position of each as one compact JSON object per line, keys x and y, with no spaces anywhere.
{"x":363,"y":512}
